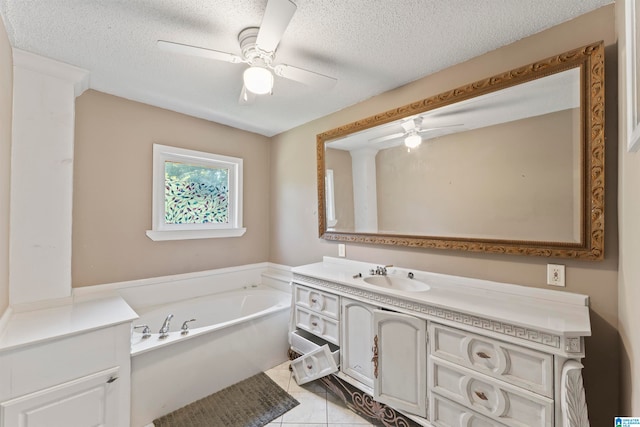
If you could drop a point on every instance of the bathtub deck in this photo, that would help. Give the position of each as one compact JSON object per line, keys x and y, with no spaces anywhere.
{"x":317,"y":407}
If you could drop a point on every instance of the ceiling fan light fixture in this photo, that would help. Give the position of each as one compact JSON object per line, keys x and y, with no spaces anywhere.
{"x":258,"y":80}
{"x":413,"y":140}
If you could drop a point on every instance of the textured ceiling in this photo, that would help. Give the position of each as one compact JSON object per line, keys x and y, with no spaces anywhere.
{"x":370,"y":46}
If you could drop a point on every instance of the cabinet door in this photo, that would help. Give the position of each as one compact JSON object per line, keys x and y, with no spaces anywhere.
{"x":87,"y":401}
{"x":357,"y":341}
{"x":400,"y":362}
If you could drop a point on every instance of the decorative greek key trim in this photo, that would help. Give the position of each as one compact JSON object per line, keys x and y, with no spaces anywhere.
{"x":441,"y":313}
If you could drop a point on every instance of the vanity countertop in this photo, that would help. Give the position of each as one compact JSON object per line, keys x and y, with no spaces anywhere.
{"x":548,"y":311}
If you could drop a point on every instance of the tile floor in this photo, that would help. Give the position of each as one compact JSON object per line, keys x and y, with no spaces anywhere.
{"x":317,"y":408}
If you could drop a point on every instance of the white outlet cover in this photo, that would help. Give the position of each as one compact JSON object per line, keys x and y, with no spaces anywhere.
{"x":555,"y":275}
{"x":342,"y":250}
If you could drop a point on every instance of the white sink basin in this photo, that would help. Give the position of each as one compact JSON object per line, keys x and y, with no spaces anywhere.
{"x":398,"y":283}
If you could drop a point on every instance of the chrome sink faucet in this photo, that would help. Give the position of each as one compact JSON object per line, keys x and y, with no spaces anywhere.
{"x":164,"y":330}
{"x":380,"y":271}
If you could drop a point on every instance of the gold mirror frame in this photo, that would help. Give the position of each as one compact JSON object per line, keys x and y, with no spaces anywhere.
{"x":590,"y":60}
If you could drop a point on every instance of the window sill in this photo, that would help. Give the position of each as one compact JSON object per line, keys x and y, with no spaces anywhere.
{"x":194,"y":234}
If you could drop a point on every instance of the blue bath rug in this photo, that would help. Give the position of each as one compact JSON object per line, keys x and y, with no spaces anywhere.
{"x":254,"y":402}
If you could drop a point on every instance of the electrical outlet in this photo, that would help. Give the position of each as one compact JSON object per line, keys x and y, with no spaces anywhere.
{"x":342,"y":250}
{"x":555,"y":274}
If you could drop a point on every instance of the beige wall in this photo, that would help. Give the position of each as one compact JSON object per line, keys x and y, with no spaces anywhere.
{"x":112,"y":192}
{"x":629,"y":269}
{"x":294,"y":231}
{"x":485,"y":183}
{"x":6,"y":100}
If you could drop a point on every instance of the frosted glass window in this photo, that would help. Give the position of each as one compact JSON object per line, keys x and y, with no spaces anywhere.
{"x":195,"y":195}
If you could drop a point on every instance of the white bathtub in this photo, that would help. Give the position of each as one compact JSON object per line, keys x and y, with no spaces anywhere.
{"x":236,"y":335}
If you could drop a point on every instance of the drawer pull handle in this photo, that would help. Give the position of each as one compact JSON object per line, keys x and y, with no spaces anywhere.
{"x":481,"y":395}
{"x":374,"y":359}
{"x":483,"y":355}
{"x":314,"y":300}
{"x":314,"y":323}
{"x":111,"y":379}
{"x":309,"y":367}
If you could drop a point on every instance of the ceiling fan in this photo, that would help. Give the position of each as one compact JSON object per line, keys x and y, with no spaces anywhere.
{"x":258,"y":48}
{"x":413,"y":132}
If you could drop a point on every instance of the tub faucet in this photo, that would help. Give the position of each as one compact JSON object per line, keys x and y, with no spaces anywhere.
{"x":164,"y":331}
{"x":146,"y":331}
{"x":185,"y":326}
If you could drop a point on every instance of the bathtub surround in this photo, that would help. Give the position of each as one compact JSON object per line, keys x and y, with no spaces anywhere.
{"x":170,"y":373}
{"x":187,"y":319}
{"x":90,"y":371}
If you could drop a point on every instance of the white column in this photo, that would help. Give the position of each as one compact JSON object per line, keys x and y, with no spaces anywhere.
{"x":365,"y":196}
{"x":44,"y":93}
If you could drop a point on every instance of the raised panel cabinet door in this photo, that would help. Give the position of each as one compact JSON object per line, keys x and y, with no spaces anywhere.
{"x":357,"y":341}
{"x":400,"y":361}
{"x":86,"y":401}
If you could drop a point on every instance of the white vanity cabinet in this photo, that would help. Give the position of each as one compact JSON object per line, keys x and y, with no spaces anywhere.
{"x":400,"y":361}
{"x":357,"y":346}
{"x":317,"y":312}
{"x":385,"y":351}
{"x":508,"y":383}
{"x":465,"y":353}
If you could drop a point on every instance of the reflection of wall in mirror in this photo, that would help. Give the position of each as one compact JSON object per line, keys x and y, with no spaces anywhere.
{"x":518,"y":180}
{"x":340,"y":162}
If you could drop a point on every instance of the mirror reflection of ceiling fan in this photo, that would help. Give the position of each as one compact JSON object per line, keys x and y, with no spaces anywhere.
{"x":414,"y":132}
{"x":258,"y":49}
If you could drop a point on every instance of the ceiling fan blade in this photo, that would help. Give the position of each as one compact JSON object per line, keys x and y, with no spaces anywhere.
{"x":277,"y":16}
{"x":387,"y":137}
{"x":306,"y":77}
{"x":186,"y":49}
{"x":246,"y":97}
{"x":437,"y":128}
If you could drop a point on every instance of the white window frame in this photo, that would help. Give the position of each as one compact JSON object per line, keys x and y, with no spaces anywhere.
{"x":163,"y":231}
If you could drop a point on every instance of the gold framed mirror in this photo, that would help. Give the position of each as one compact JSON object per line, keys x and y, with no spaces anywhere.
{"x":509,"y":164}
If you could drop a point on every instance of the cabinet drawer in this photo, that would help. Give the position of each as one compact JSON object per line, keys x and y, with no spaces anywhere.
{"x":445,"y":413}
{"x":500,"y":401}
{"x":303,"y":342}
{"x":530,"y":369}
{"x":318,"y":325}
{"x":318,"y":358}
{"x":318,"y":301}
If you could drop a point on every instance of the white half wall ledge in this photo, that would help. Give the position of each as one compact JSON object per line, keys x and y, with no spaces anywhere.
{"x":78,"y":77}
